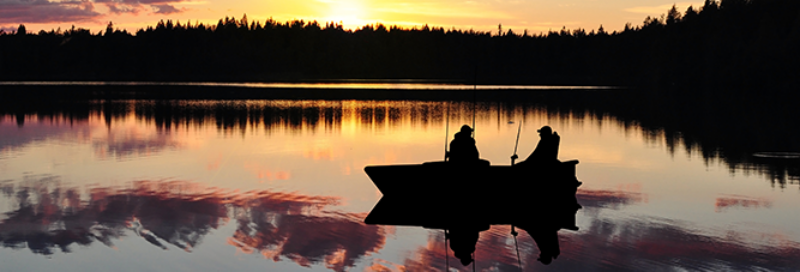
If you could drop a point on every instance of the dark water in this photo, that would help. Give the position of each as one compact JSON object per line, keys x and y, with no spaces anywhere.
{"x":278,"y":185}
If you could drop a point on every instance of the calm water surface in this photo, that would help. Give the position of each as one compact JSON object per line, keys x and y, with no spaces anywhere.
{"x":268,"y":185}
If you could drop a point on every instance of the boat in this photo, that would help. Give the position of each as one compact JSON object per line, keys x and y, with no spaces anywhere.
{"x":469,"y":195}
{"x":442,"y":194}
{"x":466,"y":198}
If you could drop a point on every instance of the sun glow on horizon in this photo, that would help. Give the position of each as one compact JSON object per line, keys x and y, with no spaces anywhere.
{"x":345,"y":11}
{"x":533,"y":17}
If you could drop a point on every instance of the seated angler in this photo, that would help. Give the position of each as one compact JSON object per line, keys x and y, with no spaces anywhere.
{"x":546,"y":151}
{"x":462,"y":148}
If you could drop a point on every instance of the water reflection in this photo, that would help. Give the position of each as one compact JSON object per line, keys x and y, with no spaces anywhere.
{"x":326,"y":116}
{"x":13,"y":136}
{"x":636,"y":244}
{"x":609,"y":199}
{"x":348,"y":84}
{"x":661,"y":208}
{"x":130,"y":143}
{"x":46,"y":216}
{"x":292,"y":227}
{"x":739,"y":201}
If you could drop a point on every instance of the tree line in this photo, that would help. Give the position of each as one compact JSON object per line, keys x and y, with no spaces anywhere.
{"x":723,"y":44}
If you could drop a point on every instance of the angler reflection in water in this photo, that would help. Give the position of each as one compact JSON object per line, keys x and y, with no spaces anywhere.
{"x":464,"y":238}
{"x":537,"y":195}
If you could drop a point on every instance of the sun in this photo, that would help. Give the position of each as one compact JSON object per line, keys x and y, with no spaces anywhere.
{"x":349,"y":12}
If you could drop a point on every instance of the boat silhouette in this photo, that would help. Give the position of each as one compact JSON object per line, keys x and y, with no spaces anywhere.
{"x":467,"y":197}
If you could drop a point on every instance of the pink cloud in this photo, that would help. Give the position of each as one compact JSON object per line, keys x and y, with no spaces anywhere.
{"x":15,"y":12}
{"x":136,"y":6}
{"x":45,"y":11}
{"x":8,"y":29}
{"x":166,"y":9}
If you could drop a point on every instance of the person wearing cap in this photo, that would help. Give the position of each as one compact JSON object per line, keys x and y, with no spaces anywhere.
{"x":546,"y":150}
{"x":462,"y":148}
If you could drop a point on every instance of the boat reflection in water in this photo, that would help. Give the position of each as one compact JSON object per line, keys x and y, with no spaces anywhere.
{"x":466,"y":198}
{"x":46,"y":217}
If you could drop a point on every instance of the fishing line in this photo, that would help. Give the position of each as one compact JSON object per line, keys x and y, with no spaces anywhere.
{"x":474,"y":98}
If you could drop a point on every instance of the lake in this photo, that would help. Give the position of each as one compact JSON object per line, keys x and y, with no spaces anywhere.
{"x":194,"y":184}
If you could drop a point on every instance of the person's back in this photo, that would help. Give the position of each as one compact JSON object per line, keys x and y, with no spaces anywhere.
{"x":546,"y":150}
{"x":462,"y":148}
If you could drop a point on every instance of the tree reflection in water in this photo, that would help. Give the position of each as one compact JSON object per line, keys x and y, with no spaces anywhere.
{"x":718,"y":137}
{"x":44,"y":216}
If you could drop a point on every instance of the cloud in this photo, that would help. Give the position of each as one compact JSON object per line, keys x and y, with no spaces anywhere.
{"x":165,"y":9}
{"x":46,"y":11}
{"x":116,"y":8}
{"x":8,"y":29}
{"x":136,"y":6}
{"x":52,"y":11}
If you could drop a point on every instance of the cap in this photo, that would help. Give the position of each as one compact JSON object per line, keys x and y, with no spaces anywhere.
{"x":545,"y":129}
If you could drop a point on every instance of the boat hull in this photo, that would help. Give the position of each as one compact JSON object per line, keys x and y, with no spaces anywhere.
{"x":443,"y":194}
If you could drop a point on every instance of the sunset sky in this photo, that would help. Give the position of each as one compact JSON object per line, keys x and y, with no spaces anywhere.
{"x":533,"y":15}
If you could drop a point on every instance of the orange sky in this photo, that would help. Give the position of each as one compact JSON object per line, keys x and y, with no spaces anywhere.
{"x":535,"y":16}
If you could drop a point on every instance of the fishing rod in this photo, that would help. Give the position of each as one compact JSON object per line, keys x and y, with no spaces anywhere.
{"x":473,"y":118}
{"x":446,"y":137}
{"x":446,"y":252}
{"x":513,"y":158}
{"x":447,"y":131}
{"x":514,"y":231}
{"x":474,"y":102}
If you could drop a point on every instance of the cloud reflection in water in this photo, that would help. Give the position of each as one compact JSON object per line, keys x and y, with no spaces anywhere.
{"x":131,"y":143}
{"x":616,"y":244}
{"x":44,"y":216}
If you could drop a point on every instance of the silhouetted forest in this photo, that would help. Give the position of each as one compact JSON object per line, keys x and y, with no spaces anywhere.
{"x":727,"y":43}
